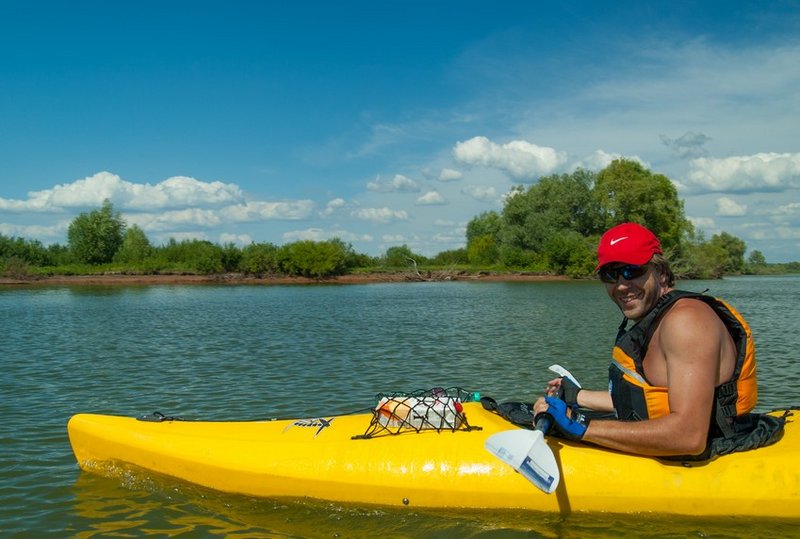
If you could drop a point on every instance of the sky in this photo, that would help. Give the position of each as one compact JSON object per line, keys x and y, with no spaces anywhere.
{"x":387,"y":123}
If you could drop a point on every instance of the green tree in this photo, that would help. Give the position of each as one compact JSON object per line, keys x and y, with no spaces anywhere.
{"x":315,"y":259}
{"x":451,"y":257}
{"x":734,"y":250}
{"x":702,"y":260}
{"x":231,"y":257}
{"x":401,"y":256}
{"x":201,"y":256}
{"x":95,"y":237}
{"x":487,"y":223}
{"x":756,"y":258}
{"x":482,"y":238}
{"x":135,"y":247}
{"x":569,"y":253}
{"x":483,"y":250}
{"x":206,"y":257}
{"x":260,"y":259}
{"x":626,"y":191}
{"x":28,"y":251}
{"x":553,"y":205}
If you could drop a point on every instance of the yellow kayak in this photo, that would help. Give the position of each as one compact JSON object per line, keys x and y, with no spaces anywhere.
{"x":328,"y":457}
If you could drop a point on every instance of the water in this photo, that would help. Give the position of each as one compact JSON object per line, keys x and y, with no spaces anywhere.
{"x":244,"y":352}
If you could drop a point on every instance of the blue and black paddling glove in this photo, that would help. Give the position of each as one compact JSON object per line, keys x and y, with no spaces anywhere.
{"x":568,"y":392}
{"x":571,"y":428}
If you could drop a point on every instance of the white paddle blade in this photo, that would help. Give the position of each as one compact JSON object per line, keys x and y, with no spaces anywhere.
{"x":528,"y":453}
{"x":564,"y":373}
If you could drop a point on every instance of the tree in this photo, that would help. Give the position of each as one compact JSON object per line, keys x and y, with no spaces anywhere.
{"x":315,"y":259}
{"x":483,"y":250}
{"x":95,"y":237}
{"x":260,"y":259}
{"x":401,"y":256}
{"x":231,"y":257}
{"x":701,"y":260}
{"x":627,"y":192}
{"x":451,"y":257}
{"x":756,"y":258}
{"x":487,"y":223}
{"x":135,"y":247}
{"x":734,"y":250}
{"x":569,"y":253}
{"x":553,"y":205}
{"x":482,"y":238}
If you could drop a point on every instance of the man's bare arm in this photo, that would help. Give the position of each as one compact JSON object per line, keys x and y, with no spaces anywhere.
{"x":689,"y":337}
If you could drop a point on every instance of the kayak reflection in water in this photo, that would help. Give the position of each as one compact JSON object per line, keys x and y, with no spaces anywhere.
{"x":682,"y":380}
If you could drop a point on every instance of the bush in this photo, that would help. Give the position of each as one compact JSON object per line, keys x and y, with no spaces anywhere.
{"x":259,"y":259}
{"x":309,"y":258}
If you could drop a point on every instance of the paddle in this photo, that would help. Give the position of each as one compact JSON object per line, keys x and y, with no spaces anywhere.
{"x":564,"y":373}
{"x":527,"y":451}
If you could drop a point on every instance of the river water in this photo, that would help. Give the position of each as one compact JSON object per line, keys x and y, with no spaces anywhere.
{"x":248,"y":352}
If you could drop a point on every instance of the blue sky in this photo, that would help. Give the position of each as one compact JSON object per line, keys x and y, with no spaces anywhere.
{"x":390,"y":122}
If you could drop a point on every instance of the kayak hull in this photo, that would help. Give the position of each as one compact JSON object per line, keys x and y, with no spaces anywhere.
{"x":320,"y":458}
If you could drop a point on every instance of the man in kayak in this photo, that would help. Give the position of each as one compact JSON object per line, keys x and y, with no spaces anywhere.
{"x":682,"y":380}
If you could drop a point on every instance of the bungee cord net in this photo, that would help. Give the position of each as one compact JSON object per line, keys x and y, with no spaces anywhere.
{"x":438,"y":409}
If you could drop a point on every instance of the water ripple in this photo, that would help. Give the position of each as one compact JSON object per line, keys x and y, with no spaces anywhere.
{"x":255,"y":352}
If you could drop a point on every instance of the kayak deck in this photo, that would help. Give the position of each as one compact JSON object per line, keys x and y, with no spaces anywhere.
{"x":319,"y":458}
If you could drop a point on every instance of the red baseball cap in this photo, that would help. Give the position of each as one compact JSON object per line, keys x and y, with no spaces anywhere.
{"x":627,"y":243}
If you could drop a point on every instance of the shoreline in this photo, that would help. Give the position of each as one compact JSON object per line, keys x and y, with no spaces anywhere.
{"x":239,"y":279}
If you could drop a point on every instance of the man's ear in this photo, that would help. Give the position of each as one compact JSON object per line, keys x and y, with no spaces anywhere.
{"x":662,"y":278}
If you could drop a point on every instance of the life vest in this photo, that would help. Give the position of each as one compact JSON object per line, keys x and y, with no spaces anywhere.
{"x":635,"y":398}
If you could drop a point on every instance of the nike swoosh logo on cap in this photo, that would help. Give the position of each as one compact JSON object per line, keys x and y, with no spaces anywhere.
{"x":617,"y":240}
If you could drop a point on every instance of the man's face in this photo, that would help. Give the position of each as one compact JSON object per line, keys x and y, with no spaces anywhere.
{"x":635,"y":295}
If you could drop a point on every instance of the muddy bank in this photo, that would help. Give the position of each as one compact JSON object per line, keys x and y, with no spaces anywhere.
{"x":234,"y":279}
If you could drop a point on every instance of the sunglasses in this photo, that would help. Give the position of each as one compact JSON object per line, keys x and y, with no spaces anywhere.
{"x":627,"y":272}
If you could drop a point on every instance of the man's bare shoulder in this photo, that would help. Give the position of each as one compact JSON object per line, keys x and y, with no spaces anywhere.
{"x":688,"y":311}
{"x":690,"y":322}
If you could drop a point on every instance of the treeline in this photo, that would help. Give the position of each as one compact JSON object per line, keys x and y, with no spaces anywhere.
{"x":552,"y":227}
{"x":555,"y":225}
{"x":101,"y":241}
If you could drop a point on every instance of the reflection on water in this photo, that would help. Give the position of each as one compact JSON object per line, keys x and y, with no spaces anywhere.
{"x":132,"y":502}
{"x":217,"y":352}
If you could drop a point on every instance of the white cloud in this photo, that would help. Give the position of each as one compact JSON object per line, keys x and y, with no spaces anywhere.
{"x":450,"y":175}
{"x":399,"y":183}
{"x":480,"y":193}
{"x":600,"y":159}
{"x":332,"y":206}
{"x":91,"y":191}
{"x":702,"y":222}
{"x":238,"y":239}
{"x":793,"y":208}
{"x":759,"y":172}
{"x":190,"y":217}
{"x":727,"y":207}
{"x":321,"y":234}
{"x":313,"y":234}
{"x":444,"y":222}
{"x":380,"y":215}
{"x":520,"y":159}
{"x":33,"y":231}
{"x":393,"y":238}
{"x":255,"y":211}
{"x":431,"y":198}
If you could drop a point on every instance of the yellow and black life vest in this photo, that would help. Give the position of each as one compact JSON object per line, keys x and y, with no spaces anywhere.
{"x":636,"y":399}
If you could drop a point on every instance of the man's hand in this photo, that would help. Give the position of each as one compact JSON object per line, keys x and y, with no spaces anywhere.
{"x":569,"y":391}
{"x":570,"y":428}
